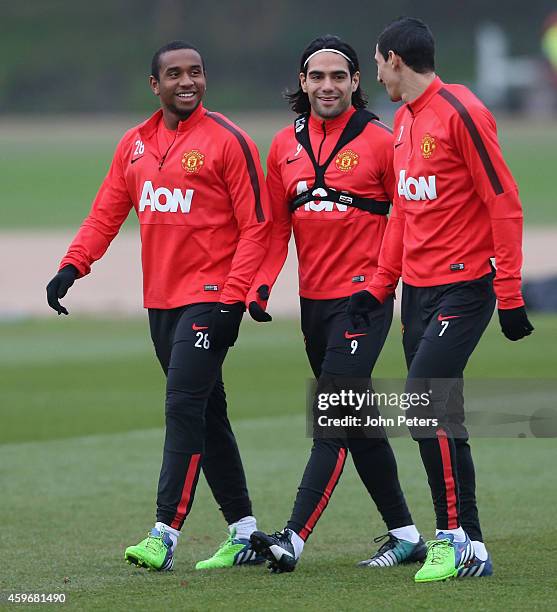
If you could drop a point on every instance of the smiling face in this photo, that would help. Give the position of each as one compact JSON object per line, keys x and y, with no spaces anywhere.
{"x":181,"y":84}
{"x":388,"y":74}
{"x":329,"y":85}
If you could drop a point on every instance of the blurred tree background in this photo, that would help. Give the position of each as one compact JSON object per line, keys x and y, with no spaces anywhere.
{"x":63,"y":56}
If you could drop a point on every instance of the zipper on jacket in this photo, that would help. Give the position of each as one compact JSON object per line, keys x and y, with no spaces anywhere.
{"x":411,"y":138}
{"x":321,"y":145}
{"x":163,"y":158}
{"x":412,"y":117}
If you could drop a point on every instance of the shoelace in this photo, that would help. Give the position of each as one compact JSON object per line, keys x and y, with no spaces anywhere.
{"x":223,"y":545}
{"x":279,"y":535}
{"x":154,"y":542}
{"x":389,"y":545}
{"x":439,"y":550}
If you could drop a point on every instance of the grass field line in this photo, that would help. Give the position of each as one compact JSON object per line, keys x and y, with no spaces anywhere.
{"x":109,"y":126}
{"x":141,"y":434}
{"x":115,"y":285}
{"x":494,"y":417}
{"x":270,"y":447}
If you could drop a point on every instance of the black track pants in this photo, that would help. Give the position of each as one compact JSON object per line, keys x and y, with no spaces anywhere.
{"x":442,"y":327}
{"x":198,"y":433}
{"x":336,"y":349}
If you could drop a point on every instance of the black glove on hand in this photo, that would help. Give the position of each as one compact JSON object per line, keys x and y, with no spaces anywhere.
{"x":257,"y":309}
{"x":514,"y":323}
{"x":58,"y":287}
{"x":360,"y":305}
{"x":224,"y":324}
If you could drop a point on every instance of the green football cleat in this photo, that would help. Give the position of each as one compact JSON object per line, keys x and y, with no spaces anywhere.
{"x":445,"y":558}
{"x":231,"y":552}
{"x":153,"y":553}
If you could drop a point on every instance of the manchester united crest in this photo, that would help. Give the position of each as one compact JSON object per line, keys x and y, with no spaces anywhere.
{"x":428,"y":146}
{"x":347,"y":160}
{"x":193,"y":161}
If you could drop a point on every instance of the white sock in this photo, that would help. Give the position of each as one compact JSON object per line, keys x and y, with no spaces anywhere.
{"x":297,"y":543}
{"x":480,"y":550}
{"x":173,"y":533}
{"x":459,"y":534}
{"x":244,"y":527}
{"x":408,"y":533}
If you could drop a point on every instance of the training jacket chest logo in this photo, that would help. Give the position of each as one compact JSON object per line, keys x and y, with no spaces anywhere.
{"x":164,"y":200}
{"x":192,"y":161}
{"x":421,"y":188}
{"x":428,"y":146}
{"x":347,"y":160}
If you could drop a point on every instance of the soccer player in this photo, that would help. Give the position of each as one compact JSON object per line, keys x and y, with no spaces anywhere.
{"x":197,"y":187}
{"x":456,"y":207}
{"x":330,"y":179}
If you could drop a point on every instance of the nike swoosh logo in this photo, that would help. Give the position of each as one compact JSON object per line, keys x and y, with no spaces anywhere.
{"x":349,"y":336}
{"x":442,"y":318}
{"x":198,"y":327}
{"x":136,"y":159}
{"x":398,"y":144}
{"x":291,"y":161}
{"x":225,"y":310}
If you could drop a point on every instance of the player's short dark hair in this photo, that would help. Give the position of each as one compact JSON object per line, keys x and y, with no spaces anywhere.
{"x":412,"y":39}
{"x":299,"y":100}
{"x":171,"y":46}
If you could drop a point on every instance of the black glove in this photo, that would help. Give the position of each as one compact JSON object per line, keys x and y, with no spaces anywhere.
{"x":58,"y":287}
{"x":360,"y":305}
{"x":257,"y":309}
{"x":514,"y":323}
{"x":224,"y":324}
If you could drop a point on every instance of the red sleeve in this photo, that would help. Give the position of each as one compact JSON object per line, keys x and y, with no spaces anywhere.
{"x":280,"y":234}
{"x":109,"y":210}
{"x":388,"y":177}
{"x":389,"y":267}
{"x":246,"y":185}
{"x":476,"y":139}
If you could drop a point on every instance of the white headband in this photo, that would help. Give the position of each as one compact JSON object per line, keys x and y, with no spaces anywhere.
{"x":330,"y":51}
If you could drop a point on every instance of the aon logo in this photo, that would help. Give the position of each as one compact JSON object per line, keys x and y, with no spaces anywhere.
{"x":416,"y":189}
{"x":322,"y":205}
{"x":164,"y":200}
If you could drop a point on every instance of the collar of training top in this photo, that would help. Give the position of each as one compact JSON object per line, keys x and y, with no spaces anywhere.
{"x":149,"y":127}
{"x":422,"y":100}
{"x":337,"y":123}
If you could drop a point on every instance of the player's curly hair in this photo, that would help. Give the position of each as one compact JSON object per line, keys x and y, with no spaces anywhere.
{"x":298,"y":100}
{"x":171,"y":46}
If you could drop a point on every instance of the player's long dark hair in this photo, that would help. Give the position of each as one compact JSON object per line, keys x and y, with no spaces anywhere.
{"x":298,"y":100}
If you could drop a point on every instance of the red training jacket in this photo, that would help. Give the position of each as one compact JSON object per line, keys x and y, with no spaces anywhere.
{"x":202,"y":205}
{"x":337,"y":245}
{"x":457,"y":203}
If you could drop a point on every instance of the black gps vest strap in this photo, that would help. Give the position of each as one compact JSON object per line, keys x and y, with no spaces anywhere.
{"x":355,"y":126}
{"x":376,"y":207}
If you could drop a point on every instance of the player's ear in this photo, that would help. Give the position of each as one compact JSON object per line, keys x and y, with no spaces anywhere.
{"x":394,"y":60}
{"x":154,"y":84}
{"x":355,"y":81}
{"x":303,"y":82}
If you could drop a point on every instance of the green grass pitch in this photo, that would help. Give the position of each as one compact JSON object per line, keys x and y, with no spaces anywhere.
{"x":81,"y":403}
